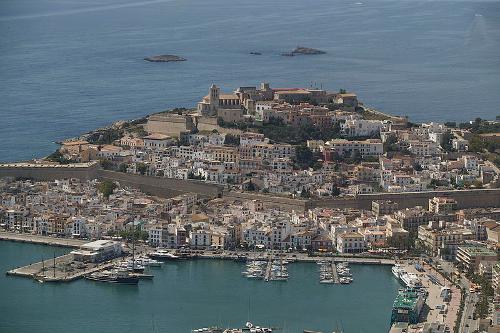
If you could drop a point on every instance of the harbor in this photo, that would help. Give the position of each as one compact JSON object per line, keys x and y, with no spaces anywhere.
{"x":425,"y":297}
{"x":207,"y":284}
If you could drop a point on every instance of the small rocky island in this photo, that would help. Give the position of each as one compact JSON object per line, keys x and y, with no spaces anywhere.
{"x":165,"y":58}
{"x":300,"y":50}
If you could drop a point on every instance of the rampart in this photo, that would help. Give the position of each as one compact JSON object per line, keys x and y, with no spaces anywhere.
{"x":49,"y":172}
{"x":166,"y":187}
{"x":464,"y":198}
{"x":269,"y":201}
{"x":162,"y":187}
{"x":169,"y":124}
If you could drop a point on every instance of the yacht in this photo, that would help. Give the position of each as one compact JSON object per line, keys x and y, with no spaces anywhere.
{"x":397,"y":270}
{"x":117,"y":276}
{"x":132,"y":266}
{"x":163,"y":255}
{"x":411,"y":280}
{"x":148,"y":262}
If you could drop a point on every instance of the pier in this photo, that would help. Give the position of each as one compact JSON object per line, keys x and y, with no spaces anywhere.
{"x":335,"y":273}
{"x":267,"y":274}
{"x":59,"y":269}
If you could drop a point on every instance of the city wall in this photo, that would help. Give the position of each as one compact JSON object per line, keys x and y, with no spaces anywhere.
{"x":168,"y":124}
{"x":162,"y":187}
{"x":166,"y":187}
{"x":465,"y":199}
{"x":173,"y":124}
{"x":269,"y":201}
{"x":44,"y":172}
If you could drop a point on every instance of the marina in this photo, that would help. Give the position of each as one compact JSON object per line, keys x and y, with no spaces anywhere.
{"x":189,"y":294}
{"x":334,"y":273}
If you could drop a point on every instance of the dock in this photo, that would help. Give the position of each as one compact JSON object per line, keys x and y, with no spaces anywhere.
{"x":267,"y":274}
{"x":335,"y":273}
{"x":300,"y":258}
{"x":59,"y":269}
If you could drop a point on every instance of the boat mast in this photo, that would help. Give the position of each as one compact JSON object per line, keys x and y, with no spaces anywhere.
{"x":54,"y":267}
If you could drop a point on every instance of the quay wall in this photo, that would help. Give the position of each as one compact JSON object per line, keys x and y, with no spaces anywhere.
{"x":42,"y":240}
{"x":162,"y":187}
{"x":464,"y":198}
{"x":45,"y":172}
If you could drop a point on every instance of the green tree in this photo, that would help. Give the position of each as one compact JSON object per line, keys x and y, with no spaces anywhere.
{"x":251,"y":186}
{"x":141,"y":168}
{"x":446,"y":141}
{"x":303,"y":157}
{"x":106,"y":187}
{"x":305,"y":193}
{"x":106,"y":164}
{"x":335,"y":191}
{"x":391,"y":143}
{"x":232,"y":140}
{"x":122,"y":167}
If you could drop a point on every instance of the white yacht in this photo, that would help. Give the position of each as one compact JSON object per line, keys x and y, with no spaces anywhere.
{"x":163,"y":255}
{"x":398,"y":270}
{"x":411,"y":280}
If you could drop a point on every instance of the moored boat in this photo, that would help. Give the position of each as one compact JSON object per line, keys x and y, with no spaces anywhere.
{"x":117,"y":276}
{"x":163,"y":255}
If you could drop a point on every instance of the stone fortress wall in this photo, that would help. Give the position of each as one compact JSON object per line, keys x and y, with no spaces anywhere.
{"x":49,"y":172}
{"x":166,"y":187}
{"x":464,"y":198}
{"x":173,"y":124}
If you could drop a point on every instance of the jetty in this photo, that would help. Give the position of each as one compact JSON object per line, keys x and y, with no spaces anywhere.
{"x":267,"y":274}
{"x":335,"y":273}
{"x":58,"y":269}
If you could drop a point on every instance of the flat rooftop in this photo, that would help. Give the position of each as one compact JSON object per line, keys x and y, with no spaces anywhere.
{"x":472,"y":250}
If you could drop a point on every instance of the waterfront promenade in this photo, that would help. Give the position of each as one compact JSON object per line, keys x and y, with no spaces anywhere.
{"x":43,"y":240}
{"x":433,"y":312}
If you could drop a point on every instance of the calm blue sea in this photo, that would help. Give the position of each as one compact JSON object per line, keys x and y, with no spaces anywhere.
{"x":69,"y":66}
{"x":192,"y":294}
